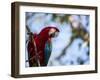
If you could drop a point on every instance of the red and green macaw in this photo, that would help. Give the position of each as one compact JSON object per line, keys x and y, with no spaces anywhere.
{"x":40,"y":47}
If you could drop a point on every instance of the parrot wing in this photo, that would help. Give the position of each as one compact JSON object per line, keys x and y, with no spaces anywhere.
{"x":47,"y":52}
{"x":31,"y":51}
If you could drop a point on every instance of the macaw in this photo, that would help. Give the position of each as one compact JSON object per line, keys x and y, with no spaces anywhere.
{"x":39,"y":46}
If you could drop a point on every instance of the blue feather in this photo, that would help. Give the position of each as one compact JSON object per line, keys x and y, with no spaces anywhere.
{"x":47,"y":51}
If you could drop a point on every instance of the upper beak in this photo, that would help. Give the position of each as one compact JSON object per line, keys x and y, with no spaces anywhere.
{"x":56,"y":34}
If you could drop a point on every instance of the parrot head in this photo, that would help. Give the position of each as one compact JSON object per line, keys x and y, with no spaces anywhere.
{"x":50,"y":31}
{"x":53,"y":32}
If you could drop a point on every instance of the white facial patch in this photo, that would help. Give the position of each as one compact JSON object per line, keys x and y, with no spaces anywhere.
{"x":52,"y":31}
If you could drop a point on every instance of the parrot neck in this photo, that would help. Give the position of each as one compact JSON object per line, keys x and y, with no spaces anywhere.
{"x":44,"y":38}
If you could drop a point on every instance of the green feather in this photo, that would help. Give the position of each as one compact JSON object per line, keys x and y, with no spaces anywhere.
{"x":47,"y":53}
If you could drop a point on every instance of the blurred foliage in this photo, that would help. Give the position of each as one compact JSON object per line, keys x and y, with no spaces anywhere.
{"x":62,"y":18}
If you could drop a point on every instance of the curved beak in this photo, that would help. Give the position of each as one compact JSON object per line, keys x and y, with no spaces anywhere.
{"x":56,"y":34}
